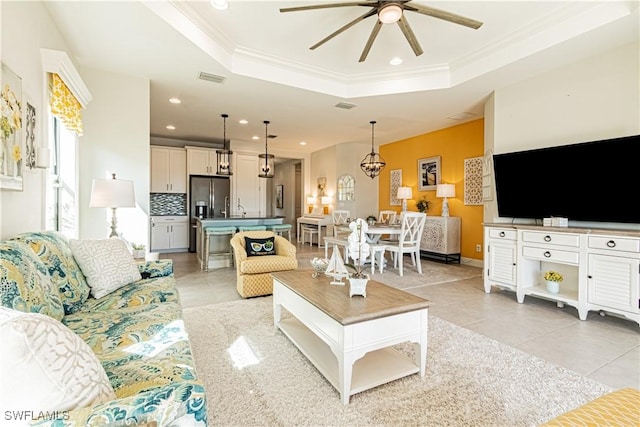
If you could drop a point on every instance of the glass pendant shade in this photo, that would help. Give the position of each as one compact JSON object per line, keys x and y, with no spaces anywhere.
{"x":224,"y":155}
{"x":373,"y":163}
{"x":266,"y":166}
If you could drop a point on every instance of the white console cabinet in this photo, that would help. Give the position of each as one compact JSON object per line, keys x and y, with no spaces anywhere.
{"x":441,"y":238}
{"x":601,"y":268}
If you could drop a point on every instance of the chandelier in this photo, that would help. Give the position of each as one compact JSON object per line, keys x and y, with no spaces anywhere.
{"x":372,"y":164}
{"x":224,"y":155}
{"x":265,"y":164}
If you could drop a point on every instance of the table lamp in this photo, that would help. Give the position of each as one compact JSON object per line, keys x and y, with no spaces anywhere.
{"x":445,"y":190}
{"x":311,"y":201}
{"x":404,"y":193}
{"x":112,"y":193}
{"x":325,"y":200}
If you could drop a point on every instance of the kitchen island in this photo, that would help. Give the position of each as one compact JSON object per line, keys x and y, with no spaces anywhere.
{"x":219,"y":245}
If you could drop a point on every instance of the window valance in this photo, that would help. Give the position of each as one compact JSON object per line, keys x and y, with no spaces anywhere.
{"x":64,"y":105}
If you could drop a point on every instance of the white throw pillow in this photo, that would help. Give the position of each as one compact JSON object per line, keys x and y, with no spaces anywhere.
{"x":107,"y":264}
{"x":47,"y":367}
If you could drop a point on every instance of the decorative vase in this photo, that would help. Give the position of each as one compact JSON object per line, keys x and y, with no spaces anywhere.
{"x":553,"y":287}
{"x":358,"y":286}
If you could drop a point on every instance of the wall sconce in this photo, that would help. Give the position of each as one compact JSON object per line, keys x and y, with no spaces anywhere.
{"x":325,"y":200}
{"x":112,"y":193}
{"x":445,"y":190}
{"x":311,"y":201}
{"x":43,"y":157}
{"x":404,"y":193}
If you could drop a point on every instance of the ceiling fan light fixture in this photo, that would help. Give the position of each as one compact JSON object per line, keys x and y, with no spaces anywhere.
{"x":390,"y":13}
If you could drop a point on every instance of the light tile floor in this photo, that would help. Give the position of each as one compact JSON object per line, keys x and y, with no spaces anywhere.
{"x":606,"y":349}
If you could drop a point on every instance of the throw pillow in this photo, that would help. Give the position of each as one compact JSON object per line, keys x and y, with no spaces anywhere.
{"x":46,"y":367}
{"x":257,"y":247}
{"x":25,"y":284}
{"x":107,"y":264}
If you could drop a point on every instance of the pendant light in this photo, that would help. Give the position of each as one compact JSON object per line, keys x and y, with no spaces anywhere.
{"x":224,"y":155}
{"x":265,"y":162}
{"x":372,"y":164}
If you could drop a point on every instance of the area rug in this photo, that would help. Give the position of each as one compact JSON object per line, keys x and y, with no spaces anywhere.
{"x":254,"y":376}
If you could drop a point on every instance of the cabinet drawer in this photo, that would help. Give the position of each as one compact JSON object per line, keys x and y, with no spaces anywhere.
{"x":615,"y":243}
{"x":563,"y":239}
{"x":552,"y":255}
{"x":503,"y":233}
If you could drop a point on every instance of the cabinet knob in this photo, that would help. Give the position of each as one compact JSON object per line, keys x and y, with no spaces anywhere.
{"x":547,"y":238}
{"x":547,"y":254}
{"x":611,"y":244}
{"x":502,"y":234}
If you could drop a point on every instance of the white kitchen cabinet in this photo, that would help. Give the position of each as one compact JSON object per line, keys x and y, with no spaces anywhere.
{"x":168,"y":170}
{"x":169,"y":233}
{"x":500,"y":258}
{"x":201,"y":161}
{"x":441,"y":238}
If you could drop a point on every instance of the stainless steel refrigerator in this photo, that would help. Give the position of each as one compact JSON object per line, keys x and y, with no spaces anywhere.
{"x":212,"y":192}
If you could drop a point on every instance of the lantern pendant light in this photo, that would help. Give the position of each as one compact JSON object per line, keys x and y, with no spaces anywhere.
{"x":373,"y":163}
{"x":266,"y":167}
{"x":224,"y":155}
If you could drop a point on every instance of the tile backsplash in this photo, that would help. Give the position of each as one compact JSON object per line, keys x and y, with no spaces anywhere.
{"x":168,"y":204}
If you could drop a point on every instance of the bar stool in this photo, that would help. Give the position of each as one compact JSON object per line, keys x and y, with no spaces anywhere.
{"x":280,"y":229}
{"x":216,"y":231}
{"x":252,"y":228}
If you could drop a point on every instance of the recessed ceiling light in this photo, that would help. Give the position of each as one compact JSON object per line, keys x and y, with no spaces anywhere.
{"x":302,"y":143}
{"x":171,"y":127}
{"x":243,"y":121}
{"x":174,"y":100}
{"x":220,"y":4}
{"x":395,"y":61}
{"x":463,"y":116}
{"x":255,"y":137}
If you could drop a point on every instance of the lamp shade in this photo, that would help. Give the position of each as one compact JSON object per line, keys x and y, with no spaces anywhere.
{"x":404,"y":193}
{"x":445,"y":190}
{"x":311,"y":200}
{"x":112,"y":193}
{"x":325,"y":200}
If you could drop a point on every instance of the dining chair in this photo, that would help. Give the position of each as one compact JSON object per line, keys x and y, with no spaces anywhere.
{"x":411,"y":226}
{"x":340,"y":218}
{"x":387,"y":217}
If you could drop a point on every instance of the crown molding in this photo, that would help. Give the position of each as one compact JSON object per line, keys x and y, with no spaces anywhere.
{"x":57,"y":61}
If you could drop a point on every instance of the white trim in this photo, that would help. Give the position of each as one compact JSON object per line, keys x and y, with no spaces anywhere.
{"x":56,"y":61}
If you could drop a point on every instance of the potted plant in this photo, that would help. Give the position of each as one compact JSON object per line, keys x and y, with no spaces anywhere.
{"x":553,"y":279}
{"x":358,"y":251}
{"x":138,"y":251}
{"x":423,"y":204}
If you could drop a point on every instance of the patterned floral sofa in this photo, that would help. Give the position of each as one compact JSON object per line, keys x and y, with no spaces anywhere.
{"x":136,"y":332}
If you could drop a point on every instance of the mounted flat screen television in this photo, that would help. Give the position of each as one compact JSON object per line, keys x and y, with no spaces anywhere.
{"x":596,"y":181}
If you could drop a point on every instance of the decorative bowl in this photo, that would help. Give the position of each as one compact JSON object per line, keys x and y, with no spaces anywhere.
{"x":319,"y":265}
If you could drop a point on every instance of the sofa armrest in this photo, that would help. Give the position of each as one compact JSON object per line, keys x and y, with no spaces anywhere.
{"x":182,"y":403}
{"x":158,"y":268}
{"x":285,"y":247}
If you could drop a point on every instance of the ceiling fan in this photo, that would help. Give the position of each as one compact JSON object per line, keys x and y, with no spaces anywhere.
{"x":388,"y":12}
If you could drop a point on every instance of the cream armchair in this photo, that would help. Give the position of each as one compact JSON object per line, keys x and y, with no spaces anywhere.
{"x":254,"y":272}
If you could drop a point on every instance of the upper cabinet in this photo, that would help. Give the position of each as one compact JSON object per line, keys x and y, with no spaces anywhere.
{"x":168,"y":170}
{"x":201,"y":161}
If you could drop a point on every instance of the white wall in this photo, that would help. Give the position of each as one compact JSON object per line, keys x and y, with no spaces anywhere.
{"x":593,"y":99}
{"x":116,"y":140}
{"x":25,"y":28}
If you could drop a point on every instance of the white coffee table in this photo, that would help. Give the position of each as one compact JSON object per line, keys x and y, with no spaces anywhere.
{"x":349,"y":339}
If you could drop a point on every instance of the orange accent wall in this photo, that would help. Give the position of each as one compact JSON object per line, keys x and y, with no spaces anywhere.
{"x":453,"y":145}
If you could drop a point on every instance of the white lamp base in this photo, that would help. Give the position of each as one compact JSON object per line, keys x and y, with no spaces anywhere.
{"x":404,"y":205}
{"x":114,"y":221}
{"x":445,"y":207}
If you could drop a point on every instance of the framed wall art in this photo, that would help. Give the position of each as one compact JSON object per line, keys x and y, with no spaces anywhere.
{"x":473,"y":181}
{"x":395,"y":183}
{"x":11,"y":156}
{"x":279,"y":196}
{"x":428,"y":173}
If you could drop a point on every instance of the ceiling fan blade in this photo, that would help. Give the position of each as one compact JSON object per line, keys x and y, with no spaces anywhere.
{"x":326,"y":6}
{"x":372,"y":37}
{"x":343,"y":28}
{"x":410,"y":36}
{"x":447,"y":16}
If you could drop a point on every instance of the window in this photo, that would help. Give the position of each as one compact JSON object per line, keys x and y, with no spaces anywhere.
{"x":346,"y":188}
{"x":62,"y":209}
